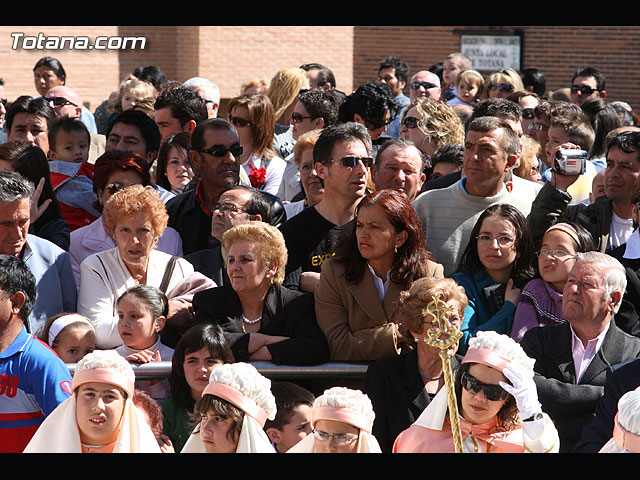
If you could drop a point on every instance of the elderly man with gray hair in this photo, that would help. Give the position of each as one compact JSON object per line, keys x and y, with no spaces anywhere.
{"x":572,"y":358}
{"x":51,"y":266}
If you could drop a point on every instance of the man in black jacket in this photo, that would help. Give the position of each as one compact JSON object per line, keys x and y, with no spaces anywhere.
{"x":572,"y":358}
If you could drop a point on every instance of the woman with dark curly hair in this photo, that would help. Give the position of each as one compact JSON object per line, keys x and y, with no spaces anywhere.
{"x":495,"y":266}
{"x":381,"y":255}
{"x":497,"y":403}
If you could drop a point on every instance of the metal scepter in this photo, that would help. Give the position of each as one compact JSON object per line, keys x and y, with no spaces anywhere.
{"x":443,"y":335}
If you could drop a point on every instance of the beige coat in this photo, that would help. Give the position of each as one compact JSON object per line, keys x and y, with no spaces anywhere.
{"x":357,"y":325}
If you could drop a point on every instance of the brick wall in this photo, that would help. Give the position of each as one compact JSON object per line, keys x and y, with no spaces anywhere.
{"x":231,"y":54}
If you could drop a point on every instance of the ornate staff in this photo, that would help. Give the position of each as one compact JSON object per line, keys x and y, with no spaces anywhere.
{"x":443,"y":335}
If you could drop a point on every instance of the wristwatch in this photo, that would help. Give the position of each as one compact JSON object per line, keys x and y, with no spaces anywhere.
{"x":535,"y":416}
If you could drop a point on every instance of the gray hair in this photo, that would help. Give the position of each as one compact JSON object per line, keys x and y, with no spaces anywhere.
{"x":615,"y":277}
{"x":211,"y":90}
{"x":14,"y":186}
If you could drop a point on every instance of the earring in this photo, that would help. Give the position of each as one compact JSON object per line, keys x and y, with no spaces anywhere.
{"x":395,"y":249}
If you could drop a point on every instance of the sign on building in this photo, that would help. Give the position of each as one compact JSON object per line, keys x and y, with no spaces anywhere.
{"x":492,"y":51}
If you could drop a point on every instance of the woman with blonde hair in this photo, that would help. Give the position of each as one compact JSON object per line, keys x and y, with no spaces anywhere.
{"x":401,"y":387}
{"x":261,"y":319}
{"x":430,"y":124}
{"x":503,"y":83}
{"x":283,"y":91}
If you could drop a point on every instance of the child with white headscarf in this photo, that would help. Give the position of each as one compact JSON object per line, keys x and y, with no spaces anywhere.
{"x":233,"y":409}
{"x":498,"y":405}
{"x":342,"y":420}
{"x":626,"y":427}
{"x":100,"y":416}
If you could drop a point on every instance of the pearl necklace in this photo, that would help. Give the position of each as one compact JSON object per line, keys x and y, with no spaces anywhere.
{"x":250,"y":322}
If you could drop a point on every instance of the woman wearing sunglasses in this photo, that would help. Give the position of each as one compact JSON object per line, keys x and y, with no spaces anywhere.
{"x":496,"y":264}
{"x":497,"y":403}
{"x":430,"y":124}
{"x":254,"y":120}
{"x":380,"y":255}
{"x":503,"y":83}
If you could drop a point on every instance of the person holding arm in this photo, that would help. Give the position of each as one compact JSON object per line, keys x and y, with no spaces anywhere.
{"x":262,"y":320}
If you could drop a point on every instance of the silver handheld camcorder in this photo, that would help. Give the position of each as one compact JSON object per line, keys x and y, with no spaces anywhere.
{"x":570,"y":161}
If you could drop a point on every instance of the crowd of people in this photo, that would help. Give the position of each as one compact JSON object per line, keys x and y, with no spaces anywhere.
{"x":471,"y":238}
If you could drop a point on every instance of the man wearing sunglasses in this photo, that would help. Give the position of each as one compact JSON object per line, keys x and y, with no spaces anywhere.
{"x":342,"y":157}
{"x":587,"y":83}
{"x":572,"y":358}
{"x":67,"y":103}
{"x":214,"y":151}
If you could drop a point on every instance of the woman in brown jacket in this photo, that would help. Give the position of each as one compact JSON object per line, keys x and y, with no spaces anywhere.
{"x":359,"y":287}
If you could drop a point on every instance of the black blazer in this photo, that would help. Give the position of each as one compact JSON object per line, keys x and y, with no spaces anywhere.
{"x":286,"y":313}
{"x":572,"y":405}
{"x":621,"y":379}
{"x":209,"y":262}
{"x":397,"y":394}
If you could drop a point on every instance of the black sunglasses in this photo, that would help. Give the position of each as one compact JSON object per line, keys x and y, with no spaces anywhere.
{"x":503,"y":87}
{"x":583,"y":90}
{"x":239,"y":122}
{"x":528,"y":113}
{"x":492,"y":392}
{"x":235,"y":150}
{"x":425,"y":85}
{"x":352,"y":161}
{"x":60,"y":101}
{"x":410,"y":122}
{"x":298,"y":118}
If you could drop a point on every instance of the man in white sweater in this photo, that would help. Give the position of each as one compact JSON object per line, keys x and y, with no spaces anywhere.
{"x":448,"y":215}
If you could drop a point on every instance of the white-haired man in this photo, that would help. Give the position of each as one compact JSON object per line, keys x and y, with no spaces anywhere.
{"x":572,"y":358}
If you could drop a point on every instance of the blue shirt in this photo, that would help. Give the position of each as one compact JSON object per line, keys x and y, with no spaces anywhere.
{"x":33,"y":382}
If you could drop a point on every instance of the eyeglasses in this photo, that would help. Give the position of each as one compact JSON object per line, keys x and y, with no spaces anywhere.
{"x":540,"y":128}
{"x":353,"y":161}
{"x":60,"y":101}
{"x":410,"y":122}
{"x":528,"y":113}
{"x":583,"y":90}
{"x":236,"y":151}
{"x":340,"y":440}
{"x":503,"y":87}
{"x":503,"y":241}
{"x":554,"y":253}
{"x":239,"y":122}
{"x":115,"y":187}
{"x":226,"y":208}
{"x":297,"y":118}
{"x":306,"y":168}
{"x":425,"y":85}
{"x":492,"y":393}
